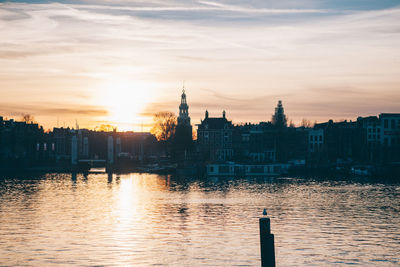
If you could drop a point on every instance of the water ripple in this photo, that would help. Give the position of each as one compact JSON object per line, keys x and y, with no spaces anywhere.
{"x":151,"y":220}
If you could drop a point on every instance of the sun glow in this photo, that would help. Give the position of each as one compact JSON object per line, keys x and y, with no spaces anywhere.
{"x":125,"y":101}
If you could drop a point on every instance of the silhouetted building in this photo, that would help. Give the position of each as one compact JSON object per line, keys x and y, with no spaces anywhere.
{"x":371,"y":133}
{"x":183,"y":141}
{"x":62,"y":140}
{"x":254,"y":143}
{"x":369,"y":140}
{"x":390,"y":136}
{"x":315,"y":140}
{"x":184,"y":119}
{"x":342,"y":141}
{"x":279,"y":118}
{"x":214,"y":138}
{"x":390,"y":125}
{"x":22,"y":144}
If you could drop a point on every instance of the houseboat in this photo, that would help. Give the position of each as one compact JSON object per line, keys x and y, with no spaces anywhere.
{"x":245,"y":170}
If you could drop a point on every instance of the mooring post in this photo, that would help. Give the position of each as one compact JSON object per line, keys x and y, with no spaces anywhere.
{"x":266,"y":242}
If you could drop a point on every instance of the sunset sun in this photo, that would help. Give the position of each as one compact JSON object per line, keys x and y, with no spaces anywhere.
{"x":125,"y":101}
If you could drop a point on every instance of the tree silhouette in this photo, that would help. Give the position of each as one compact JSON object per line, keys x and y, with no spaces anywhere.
{"x":164,"y":125}
{"x":105,"y":128}
{"x":306,"y":123}
{"x":28,"y":118}
{"x":279,"y":118}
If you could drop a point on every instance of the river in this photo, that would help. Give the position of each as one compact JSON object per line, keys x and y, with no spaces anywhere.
{"x":145,"y":219}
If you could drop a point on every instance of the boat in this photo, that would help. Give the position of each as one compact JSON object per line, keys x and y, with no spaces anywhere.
{"x":245,"y":170}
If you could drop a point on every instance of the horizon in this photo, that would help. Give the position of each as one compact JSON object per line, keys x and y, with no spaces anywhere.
{"x":119,"y":62}
{"x":236,"y":123}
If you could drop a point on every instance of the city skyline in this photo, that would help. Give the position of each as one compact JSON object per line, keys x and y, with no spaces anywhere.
{"x":102,"y":62}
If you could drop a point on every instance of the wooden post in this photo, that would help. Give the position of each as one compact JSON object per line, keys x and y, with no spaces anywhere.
{"x":267,"y":243}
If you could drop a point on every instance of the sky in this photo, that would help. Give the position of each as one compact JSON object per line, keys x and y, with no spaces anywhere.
{"x":118,"y":62}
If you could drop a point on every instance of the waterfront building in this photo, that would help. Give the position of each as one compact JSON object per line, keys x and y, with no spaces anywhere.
{"x":371,"y":133}
{"x":254,"y":143}
{"x":22,"y":144}
{"x":372,"y":130}
{"x":214,"y":138}
{"x":342,"y":141}
{"x":390,"y":125}
{"x":390,"y":137}
{"x":315,"y":140}
{"x":62,"y":138}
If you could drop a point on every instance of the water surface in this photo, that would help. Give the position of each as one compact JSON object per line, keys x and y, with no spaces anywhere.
{"x":143,"y":220}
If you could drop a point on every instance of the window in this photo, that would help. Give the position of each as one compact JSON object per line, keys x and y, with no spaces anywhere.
{"x":385,"y":123}
{"x":393,"y":124}
{"x":320,"y":138}
{"x":311,"y":138}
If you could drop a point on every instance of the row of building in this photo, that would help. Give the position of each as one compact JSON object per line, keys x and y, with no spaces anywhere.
{"x":27,"y":144}
{"x":373,"y":140}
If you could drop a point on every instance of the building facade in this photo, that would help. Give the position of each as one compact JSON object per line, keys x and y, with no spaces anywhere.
{"x":214,"y":138}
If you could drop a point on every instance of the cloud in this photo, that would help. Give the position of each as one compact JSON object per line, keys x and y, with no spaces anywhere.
{"x":38,"y":109}
{"x":320,"y":59}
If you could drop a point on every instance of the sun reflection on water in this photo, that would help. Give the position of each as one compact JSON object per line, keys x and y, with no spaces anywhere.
{"x":143,"y":220}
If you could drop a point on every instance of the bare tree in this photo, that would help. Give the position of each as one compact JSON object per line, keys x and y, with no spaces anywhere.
{"x":28,"y":118}
{"x":194,"y":135}
{"x":164,"y":125}
{"x":306,"y":123}
{"x":105,"y":128}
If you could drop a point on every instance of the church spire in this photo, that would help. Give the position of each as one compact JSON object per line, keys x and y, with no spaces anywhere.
{"x":183,"y":118}
{"x":183,"y":98}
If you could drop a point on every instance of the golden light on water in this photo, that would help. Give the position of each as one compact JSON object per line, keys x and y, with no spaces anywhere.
{"x":125,"y":101}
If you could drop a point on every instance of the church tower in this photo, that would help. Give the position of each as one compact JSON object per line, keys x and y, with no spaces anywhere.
{"x":183,"y":141}
{"x":279,"y":118}
{"x":183,"y":119}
